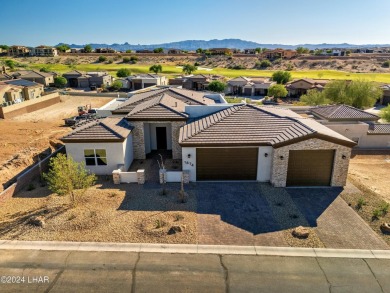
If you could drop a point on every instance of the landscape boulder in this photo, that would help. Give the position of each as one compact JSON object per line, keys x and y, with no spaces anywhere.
{"x":37,"y":221}
{"x":175,"y":229}
{"x":385,"y":227}
{"x":301,"y":232}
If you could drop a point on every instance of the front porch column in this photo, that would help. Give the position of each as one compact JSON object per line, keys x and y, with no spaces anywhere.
{"x":176,"y":148}
{"x":138,"y":140}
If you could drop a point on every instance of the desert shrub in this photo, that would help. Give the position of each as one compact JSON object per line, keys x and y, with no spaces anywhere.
{"x":376,"y":214}
{"x":159,"y":224}
{"x":102,"y":58}
{"x":384,"y":208}
{"x":386,"y":64}
{"x":126,"y":59}
{"x":265,"y":63}
{"x":360,"y":203}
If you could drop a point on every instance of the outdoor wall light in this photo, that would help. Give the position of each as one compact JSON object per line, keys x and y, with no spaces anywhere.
{"x":343,"y":157}
{"x":189,"y":156}
{"x":266,"y":155}
{"x":281,"y":157}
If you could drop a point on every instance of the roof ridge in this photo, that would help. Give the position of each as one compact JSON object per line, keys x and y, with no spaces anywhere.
{"x":171,"y":109}
{"x":147,"y":104}
{"x":337,"y":108}
{"x":86,"y":126}
{"x":110,"y":129}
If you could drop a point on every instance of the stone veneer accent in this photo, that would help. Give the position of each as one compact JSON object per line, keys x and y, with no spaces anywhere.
{"x":176,"y":148}
{"x":141,"y":176}
{"x":116,"y":176}
{"x":340,"y":166}
{"x":138,"y":140}
{"x":186,"y":176}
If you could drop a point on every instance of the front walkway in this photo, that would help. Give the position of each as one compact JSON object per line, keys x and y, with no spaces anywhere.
{"x":258,"y":214}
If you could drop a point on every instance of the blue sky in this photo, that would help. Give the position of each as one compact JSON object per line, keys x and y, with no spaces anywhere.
{"x":32,"y":23}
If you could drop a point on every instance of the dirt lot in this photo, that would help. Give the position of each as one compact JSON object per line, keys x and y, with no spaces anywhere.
{"x":372,"y":172}
{"x":23,"y":137}
{"x":130,"y":213}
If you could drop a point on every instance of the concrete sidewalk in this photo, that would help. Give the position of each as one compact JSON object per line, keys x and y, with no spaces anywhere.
{"x":192,"y":249}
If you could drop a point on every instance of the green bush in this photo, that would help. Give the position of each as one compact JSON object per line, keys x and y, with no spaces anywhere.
{"x":386,"y":64}
{"x":102,"y":58}
{"x":265,"y":63}
{"x":126,"y":59}
{"x":360,"y":203}
{"x":123,"y":72}
{"x":133,"y":59}
{"x":384,"y":208}
{"x":376,"y":214}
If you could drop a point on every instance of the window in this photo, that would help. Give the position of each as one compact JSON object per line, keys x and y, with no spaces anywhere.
{"x":95,"y":157}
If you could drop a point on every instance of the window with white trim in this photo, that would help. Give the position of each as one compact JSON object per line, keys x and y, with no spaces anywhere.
{"x":95,"y":157}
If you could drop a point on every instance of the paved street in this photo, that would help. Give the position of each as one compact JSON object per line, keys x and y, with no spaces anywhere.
{"x":78,"y":271}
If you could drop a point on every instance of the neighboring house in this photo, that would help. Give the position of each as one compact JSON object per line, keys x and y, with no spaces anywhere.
{"x":250,"y":51}
{"x":105,"y":50}
{"x":175,"y":51}
{"x":30,"y":90}
{"x":79,"y":79}
{"x":76,"y":50}
{"x":217,"y":141}
{"x":279,"y":54}
{"x":18,"y":51}
{"x":44,"y":51}
{"x":197,"y":82}
{"x":144,"y":51}
{"x":246,"y":86}
{"x":385,"y":100}
{"x":221,"y":51}
{"x":359,"y":126}
{"x":45,"y":78}
{"x":297,"y":88}
{"x":140,"y":81}
{"x":10,"y":94}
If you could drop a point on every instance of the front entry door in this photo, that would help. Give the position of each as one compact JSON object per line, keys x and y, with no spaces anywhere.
{"x":161,"y":137}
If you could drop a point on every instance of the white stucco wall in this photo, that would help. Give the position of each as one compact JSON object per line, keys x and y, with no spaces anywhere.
{"x":264,"y":164}
{"x":128,"y":152}
{"x":359,"y":130}
{"x":114,"y":152}
{"x":200,"y":110}
{"x":189,"y":163}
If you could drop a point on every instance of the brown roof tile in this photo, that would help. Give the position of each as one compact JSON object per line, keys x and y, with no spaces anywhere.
{"x":376,"y":128}
{"x":108,"y":129}
{"x":343,"y":112}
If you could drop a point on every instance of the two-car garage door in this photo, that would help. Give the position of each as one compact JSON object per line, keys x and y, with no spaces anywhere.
{"x":226,"y":163}
{"x":310,"y":168}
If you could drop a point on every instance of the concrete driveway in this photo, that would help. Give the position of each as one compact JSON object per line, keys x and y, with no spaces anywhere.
{"x":258,"y":214}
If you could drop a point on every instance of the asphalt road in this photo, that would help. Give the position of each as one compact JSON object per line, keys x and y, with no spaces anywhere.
{"x":77,"y":271}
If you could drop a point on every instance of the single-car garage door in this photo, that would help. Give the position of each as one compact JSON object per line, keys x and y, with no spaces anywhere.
{"x":226,"y":163}
{"x":310,"y":168}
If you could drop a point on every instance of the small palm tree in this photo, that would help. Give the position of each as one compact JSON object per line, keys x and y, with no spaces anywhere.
{"x":156,"y":68}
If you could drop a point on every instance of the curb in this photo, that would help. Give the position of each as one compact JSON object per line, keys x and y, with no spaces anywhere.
{"x":193,"y":249}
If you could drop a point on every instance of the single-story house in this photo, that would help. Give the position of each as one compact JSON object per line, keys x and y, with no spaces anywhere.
{"x":299,"y":87}
{"x":140,"y":81}
{"x":250,"y":51}
{"x":197,"y":82}
{"x":253,"y":86}
{"x":279,"y":53}
{"x":217,"y":141}
{"x":221,"y":51}
{"x":45,"y":78}
{"x":79,"y":79}
{"x":360,"y":126}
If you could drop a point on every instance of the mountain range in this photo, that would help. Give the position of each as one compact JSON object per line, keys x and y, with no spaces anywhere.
{"x":225,"y":43}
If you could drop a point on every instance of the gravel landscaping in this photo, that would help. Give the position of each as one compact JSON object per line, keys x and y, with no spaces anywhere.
{"x":105,"y":213}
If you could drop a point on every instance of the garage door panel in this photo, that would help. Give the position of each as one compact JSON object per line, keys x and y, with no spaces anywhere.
{"x":226,"y":163}
{"x":310,"y":168}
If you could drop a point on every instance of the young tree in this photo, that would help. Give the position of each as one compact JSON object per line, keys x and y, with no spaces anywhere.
{"x":300,"y":50}
{"x":281,"y":77}
{"x":385,"y":113}
{"x":277,"y":91}
{"x":128,"y":51}
{"x":116,"y":85}
{"x":102,"y":58}
{"x":4,"y":47}
{"x":60,"y":81}
{"x":10,"y":63}
{"x":63,"y":48}
{"x":258,"y":50}
{"x":199,"y":51}
{"x":88,"y":49}
{"x":188,"y":68}
{"x":217,"y":86}
{"x":156,"y":68}
{"x":158,"y":50}
{"x":65,"y":176}
{"x":123,"y":72}
{"x":314,"y":98}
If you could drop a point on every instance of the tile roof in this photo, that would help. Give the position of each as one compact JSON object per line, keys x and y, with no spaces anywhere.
{"x":343,"y":112}
{"x":250,"y":125}
{"x":34,"y":73}
{"x":187,"y":96}
{"x":376,"y":128}
{"x":22,"y":82}
{"x":160,"y":107}
{"x":108,"y":129}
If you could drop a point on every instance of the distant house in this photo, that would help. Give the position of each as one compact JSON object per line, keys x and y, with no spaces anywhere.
{"x":30,"y":90}
{"x":18,"y":51}
{"x":357,"y":125}
{"x":279,"y":54}
{"x":45,"y":78}
{"x":385,"y":100}
{"x":79,"y":79}
{"x":250,"y":51}
{"x":221,"y":51}
{"x":44,"y":51}
{"x":76,"y":50}
{"x":144,"y":51}
{"x":105,"y":50}
{"x":197,"y":82}
{"x":140,"y":81}
{"x":175,"y":51}
{"x":256,"y":86}
{"x":297,"y":88}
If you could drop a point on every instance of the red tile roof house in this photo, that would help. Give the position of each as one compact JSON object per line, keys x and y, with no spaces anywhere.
{"x":215,"y":141}
{"x":358,"y":125}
